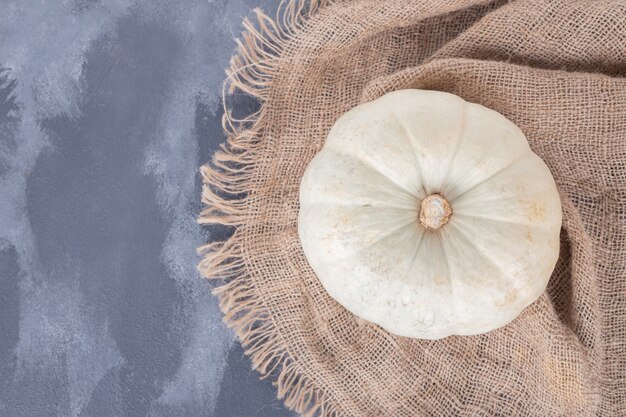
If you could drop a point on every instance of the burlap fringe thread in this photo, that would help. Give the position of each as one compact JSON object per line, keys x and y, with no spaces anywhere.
{"x":224,"y":196}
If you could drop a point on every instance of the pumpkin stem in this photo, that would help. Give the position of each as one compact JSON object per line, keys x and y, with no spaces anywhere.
{"x":435,"y":211}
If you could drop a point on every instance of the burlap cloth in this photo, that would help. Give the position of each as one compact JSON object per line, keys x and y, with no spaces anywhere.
{"x":556,"y":69}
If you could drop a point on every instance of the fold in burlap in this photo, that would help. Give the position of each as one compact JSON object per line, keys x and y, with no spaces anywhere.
{"x":556,"y":69}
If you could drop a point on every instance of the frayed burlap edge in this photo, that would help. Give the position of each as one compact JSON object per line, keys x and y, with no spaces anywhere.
{"x":226,"y":182}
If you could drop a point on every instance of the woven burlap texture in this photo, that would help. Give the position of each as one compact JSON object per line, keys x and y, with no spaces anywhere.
{"x":555,"y":68}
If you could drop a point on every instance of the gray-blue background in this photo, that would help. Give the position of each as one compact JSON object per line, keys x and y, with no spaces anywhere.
{"x":107,"y":109}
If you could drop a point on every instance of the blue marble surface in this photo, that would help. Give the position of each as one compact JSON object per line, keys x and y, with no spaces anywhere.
{"x":107,"y":109}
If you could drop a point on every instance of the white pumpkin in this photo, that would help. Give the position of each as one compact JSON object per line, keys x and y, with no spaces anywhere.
{"x":429,"y":216}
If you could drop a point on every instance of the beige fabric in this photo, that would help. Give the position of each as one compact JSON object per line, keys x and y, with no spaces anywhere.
{"x":555,"y":68}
